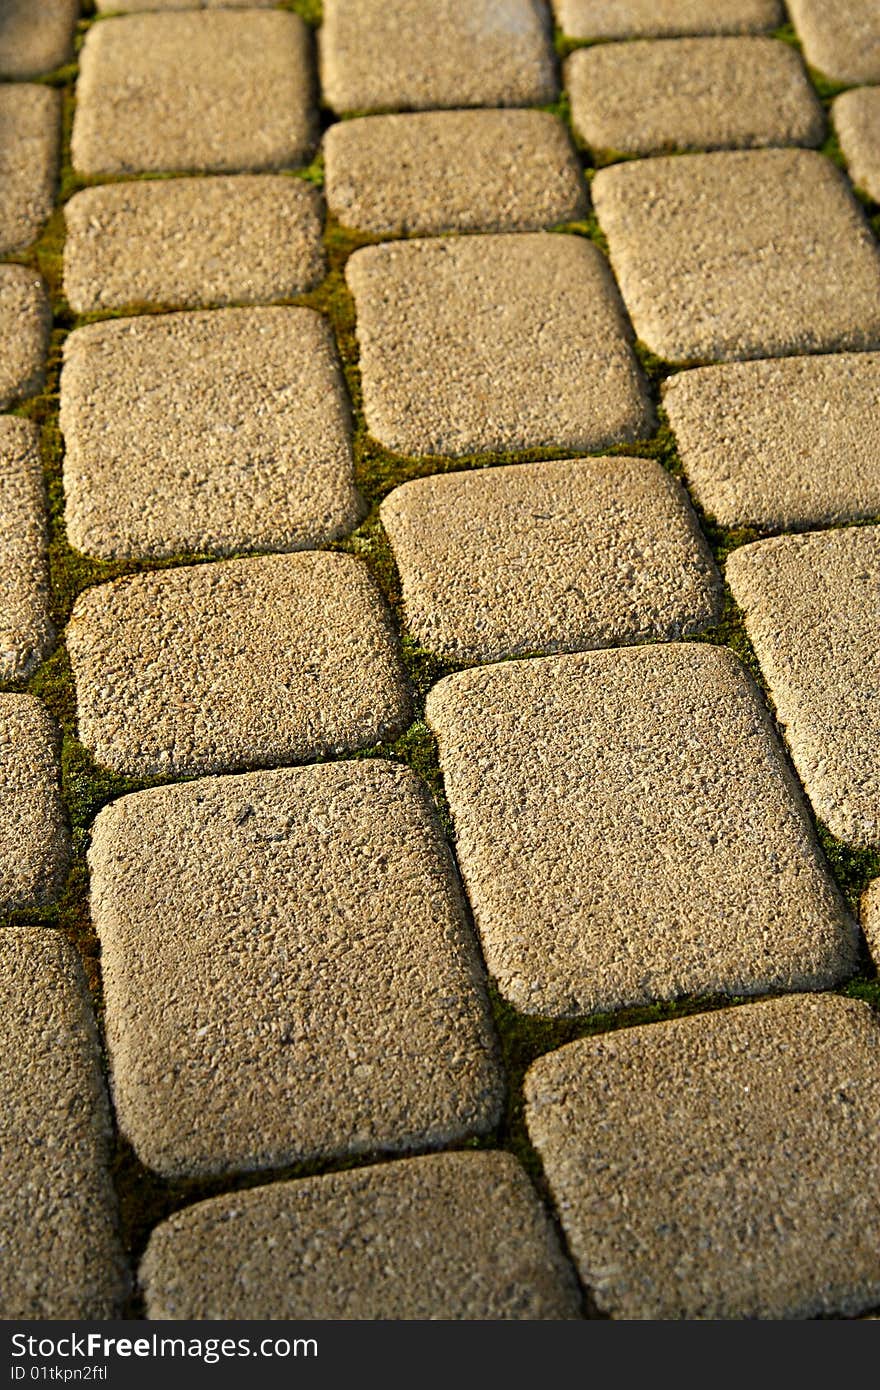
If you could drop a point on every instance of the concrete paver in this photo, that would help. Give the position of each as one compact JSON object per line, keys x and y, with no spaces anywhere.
{"x":627,"y":19}
{"x":25,"y":319}
{"x":33,"y":830}
{"x":856,"y":117}
{"x":36,"y":38}
{"x":25,"y":627}
{"x":841,"y":40}
{"x":870,"y":918}
{"x":30,"y":127}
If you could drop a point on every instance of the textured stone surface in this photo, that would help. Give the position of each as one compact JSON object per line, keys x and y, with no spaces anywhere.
{"x":781,"y":444}
{"x":318,"y":990}
{"x":626,"y":19}
{"x":841,"y":40}
{"x":33,"y":830}
{"x":216,"y":92}
{"x":856,"y":117}
{"x":215,"y":431}
{"x":646,"y":97}
{"x":59,"y":1257}
{"x":741,"y":254}
{"x":34,"y":38}
{"x":495,"y":342}
{"x":722,"y":1166}
{"x":811,"y":612}
{"x":190,"y":242}
{"x":385,"y":54}
{"x":244,"y":663}
{"x":25,"y":627}
{"x":274,"y":1252}
{"x":628,"y":830}
{"x":25,"y":319}
{"x":549,"y":557}
{"x":490,"y":171}
{"x":870,"y":915}
{"x":30,"y":122}
{"x":133,"y":6}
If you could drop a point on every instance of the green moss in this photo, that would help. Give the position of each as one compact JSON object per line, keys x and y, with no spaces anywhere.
{"x":312,"y":11}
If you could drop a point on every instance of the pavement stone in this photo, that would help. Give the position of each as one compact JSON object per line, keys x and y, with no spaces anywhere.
{"x":185,"y":243}
{"x":782,"y":444}
{"x":214,"y":92}
{"x":25,"y":626}
{"x":856,"y":117}
{"x":60,"y":1255}
{"x":216,"y":431}
{"x":243,"y":663}
{"x":647,"y":96}
{"x":496,"y":342}
{"x":491,"y":171}
{"x":550,"y":557}
{"x":33,"y":829}
{"x":25,"y":320}
{"x":627,"y":19}
{"x":379,"y":55}
{"x":870,"y":918}
{"x":628,"y":831}
{"x":841,"y":40}
{"x":810,"y":605}
{"x":30,"y":127}
{"x":274,"y":1252}
{"x":288,"y":971}
{"x":741,"y":254}
{"x":134,"y":6}
{"x":35,"y":38}
{"x":720,"y":1166}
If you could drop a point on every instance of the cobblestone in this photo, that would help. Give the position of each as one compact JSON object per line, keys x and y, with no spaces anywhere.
{"x":30,"y":119}
{"x":627,"y":19}
{"x":36,"y":38}
{"x":25,"y":317}
{"x":25,"y":627}
{"x":856,"y":117}
{"x":870,"y":916}
{"x":842,"y":41}
{"x":33,"y":831}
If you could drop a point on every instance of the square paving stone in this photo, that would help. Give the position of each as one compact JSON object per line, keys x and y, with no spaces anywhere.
{"x":626,"y":19}
{"x":722,"y":1166}
{"x":206,"y":92}
{"x":36,"y":37}
{"x":25,"y":320}
{"x":550,"y":557}
{"x":491,"y":171}
{"x":216,"y":432}
{"x":646,"y":97}
{"x":288,"y":971}
{"x":274,"y":1252}
{"x":30,"y":129}
{"x":183,"y":243}
{"x":628,"y":830}
{"x":781,"y":444}
{"x":812,"y":615}
{"x":841,"y":40}
{"x":379,"y":55}
{"x":496,"y":342}
{"x":741,"y":254}
{"x":25,"y":627}
{"x":247,"y":663}
{"x":856,"y":117}
{"x":60,"y":1255}
{"x":33,"y":829}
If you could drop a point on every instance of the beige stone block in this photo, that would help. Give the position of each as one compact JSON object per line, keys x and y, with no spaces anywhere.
{"x":870,"y":917}
{"x":856,"y":117}
{"x":841,"y":40}
{"x":36,"y":37}
{"x":26,"y":631}
{"x":25,"y":321}
{"x":628,"y":19}
{"x":33,"y":826}
{"x":30,"y":127}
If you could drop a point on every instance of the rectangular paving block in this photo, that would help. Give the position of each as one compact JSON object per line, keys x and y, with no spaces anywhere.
{"x":247,"y":663}
{"x":647,"y":97}
{"x":627,"y":19}
{"x":721,"y":1166}
{"x":25,"y":321}
{"x":274,"y":1252}
{"x":36,"y":37}
{"x":381,"y":55}
{"x":856,"y":117}
{"x":34,"y":843}
{"x":60,"y":1256}
{"x":781,"y":444}
{"x":812,"y":615}
{"x":496,"y":342}
{"x":216,"y":431}
{"x":628,"y":830}
{"x":26,"y":631}
{"x":841,"y":40}
{"x":741,"y":254}
{"x":490,"y":171}
{"x":870,"y":918}
{"x":214,"y":92}
{"x":133,"y":6}
{"x":185,"y":243}
{"x":549,"y":557}
{"x":30,"y":130}
{"x":288,"y":971}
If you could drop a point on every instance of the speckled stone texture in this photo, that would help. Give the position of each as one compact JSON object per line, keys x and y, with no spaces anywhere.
{"x":856,"y":117}
{"x":33,"y":828}
{"x":274,"y":1252}
{"x":246,"y":663}
{"x":60,"y":1255}
{"x":722,"y":1166}
{"x":627,"y":19}
{"x":381,"y":55}
{"x":811,"y":612}
{"x":497,"y":342}
{"x":549,"y":557}
{"x":782,"y":444}
{"x":490,"y":171}
{"x":25,"y":626}
{"x":30,"y":124}
{"x":217,"y":431}
{"x":628,"y":830}
{"x":870,"y":917}
{"x":184,"y":243}
{"x":288,"y":972}
{"x":25,"y":319}
{"x":647,"y":97}
{"x":36,"y":37}
{"x":214,"y":92}
{"x":134,"y":6}
{"x":841,"y":40}
{"x":741,"y":254}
